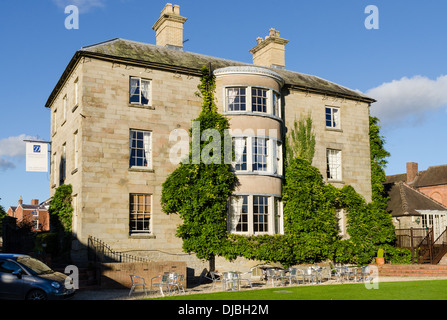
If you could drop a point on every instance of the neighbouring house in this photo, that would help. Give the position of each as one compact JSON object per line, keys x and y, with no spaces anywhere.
{"x":35,"y":213}
{"x":121,"y":107}
{"x":416,"y":203}
{"x":428,"y":190}
{"x":418,"y":199}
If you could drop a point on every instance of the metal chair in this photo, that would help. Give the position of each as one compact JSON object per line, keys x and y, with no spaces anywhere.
{"x":136,"y":282}
{"x":230,"y":278}
{"x":271,"y":275}
{"x":214,"y":277}
{"x":293,"y":274}
{"x":309,"y":274}
{"x":164,"y":281}
{"x":241,"y":278}
{"x":175,"y":280}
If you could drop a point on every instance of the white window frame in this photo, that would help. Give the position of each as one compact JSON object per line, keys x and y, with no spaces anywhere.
{"x":140,"y":82}
{"x":239,"y":149}
{"x":264,"y":156}
{"x":274,"y":216}
{"x":228,"y":97}
{"x":334,"y":117}
{"x":147,"y":148}
{"x":143,"y":213}
{"x":271,"y":110}
{"x":274,"y":156}
{"x":334,"y":164}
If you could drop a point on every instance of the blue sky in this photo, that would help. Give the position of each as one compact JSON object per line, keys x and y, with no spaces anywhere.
{"x":402,"y":64}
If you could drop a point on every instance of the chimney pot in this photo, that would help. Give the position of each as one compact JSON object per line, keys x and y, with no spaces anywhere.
{"x":169,"y":27}
{"x":271,"y":51}
{"x":412,"y":171}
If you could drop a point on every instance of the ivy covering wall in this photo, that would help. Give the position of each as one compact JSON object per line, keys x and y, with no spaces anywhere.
{"x":199,"y":193}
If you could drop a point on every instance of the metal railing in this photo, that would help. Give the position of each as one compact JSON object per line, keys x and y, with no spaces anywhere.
{"x":99,"y":251}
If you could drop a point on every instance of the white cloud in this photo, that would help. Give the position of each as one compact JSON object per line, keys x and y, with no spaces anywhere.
{"x":408,"y":98}
{"x":11,"y":149}
{"x":83,"y":5}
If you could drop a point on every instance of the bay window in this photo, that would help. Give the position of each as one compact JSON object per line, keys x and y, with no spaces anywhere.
{"x":255,"y":214}
{"x":257,"y":154}
{"x":250,"y":99}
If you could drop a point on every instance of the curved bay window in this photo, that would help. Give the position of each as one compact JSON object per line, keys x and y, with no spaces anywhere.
{"x":257,"y":154}
{"x":255,"y":214}
{"x":248,"y":99}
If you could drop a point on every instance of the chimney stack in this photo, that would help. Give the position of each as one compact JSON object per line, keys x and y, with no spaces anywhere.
{"x":270,"y":52}
{"x":169,"y":27}
{"x":35,"y":202}
{"x":412,"y":171}
{"x":20,"y":201}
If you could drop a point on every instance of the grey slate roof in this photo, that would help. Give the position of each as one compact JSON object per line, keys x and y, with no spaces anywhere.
{"x":404,"y":200}
{"x":433,"y":176}
{"x":132,"y":52}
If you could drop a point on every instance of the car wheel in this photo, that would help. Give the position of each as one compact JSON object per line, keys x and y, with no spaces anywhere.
{"x":36,"y":295}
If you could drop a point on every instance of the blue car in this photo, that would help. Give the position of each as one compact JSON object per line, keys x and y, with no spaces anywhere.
{"x":23,"y":277}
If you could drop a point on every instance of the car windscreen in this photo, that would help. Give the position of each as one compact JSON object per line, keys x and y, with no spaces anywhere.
{"x":35,"y":266}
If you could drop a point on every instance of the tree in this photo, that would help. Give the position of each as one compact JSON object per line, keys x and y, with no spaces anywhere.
{"x":301,"y":141}
{"x":378,"y":161}
{"x":2,"y":215}
{"x":61,"y":214}
{"x":369,"y":224}
{"x":199,"y":192}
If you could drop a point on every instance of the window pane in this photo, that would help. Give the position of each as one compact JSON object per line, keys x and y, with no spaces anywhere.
{"x":240,"y":152}
{"x":260,"y":154}
{"x":259,"y":100}
{"x":238,"y":220}
{"x":139,"y":213}
{"x":333,"y":158}
{"x":236,"y":99}
{"x":140,"y":148}
{"x":134,"y":91}
{"x":260,"y":214}
{"x":145,"y":92}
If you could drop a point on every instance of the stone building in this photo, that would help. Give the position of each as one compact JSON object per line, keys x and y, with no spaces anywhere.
{"x":120,"y":107}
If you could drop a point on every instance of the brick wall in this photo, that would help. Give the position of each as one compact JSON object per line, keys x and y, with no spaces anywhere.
{"x":117,"y":275}
{"x":413,"y":270}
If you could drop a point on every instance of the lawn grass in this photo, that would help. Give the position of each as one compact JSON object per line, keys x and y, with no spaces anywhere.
{"x":405,"y":290}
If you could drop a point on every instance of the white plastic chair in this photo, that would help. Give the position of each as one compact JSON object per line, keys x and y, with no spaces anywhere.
{"x":136,"y":282}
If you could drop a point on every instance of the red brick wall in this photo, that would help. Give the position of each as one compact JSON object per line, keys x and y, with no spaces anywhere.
{"x":117,"y":275}
{"x":438,"y":193}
